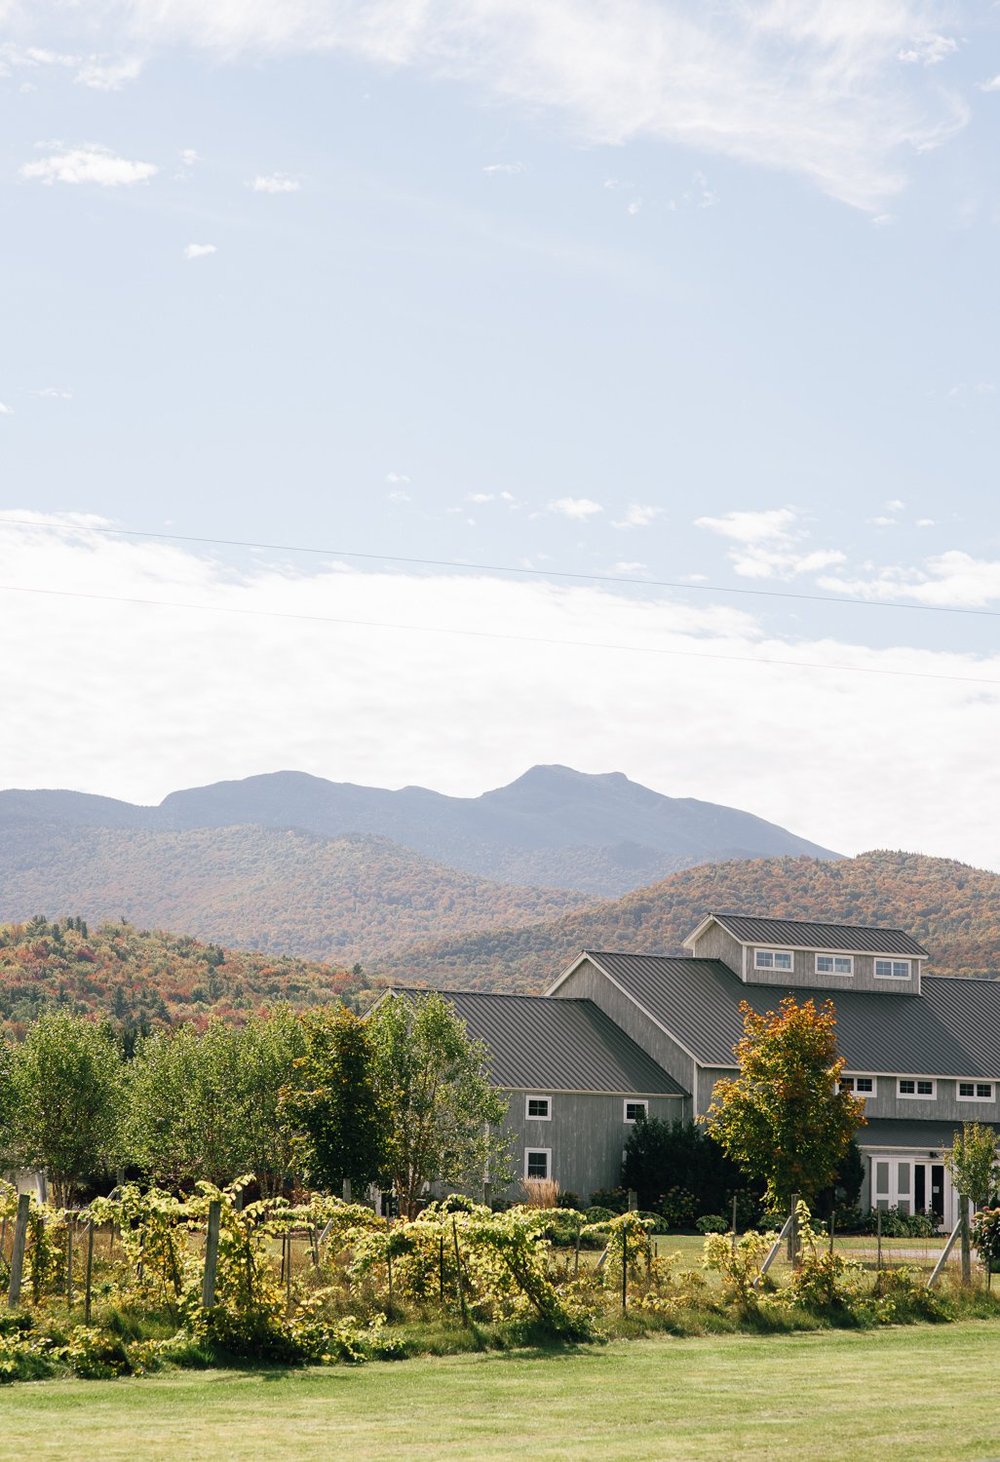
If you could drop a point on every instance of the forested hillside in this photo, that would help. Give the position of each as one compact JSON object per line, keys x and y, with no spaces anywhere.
{"x":142,"y":977}
{"x":285,"y":892}
{"x":952,"y":908}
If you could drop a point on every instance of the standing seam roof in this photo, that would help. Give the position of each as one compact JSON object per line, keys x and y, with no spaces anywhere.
{"x":793,"y":932}
{"x":951,"y":1029}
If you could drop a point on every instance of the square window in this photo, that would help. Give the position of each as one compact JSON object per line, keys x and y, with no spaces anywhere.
{"x":925,"y":1088}
{"x":772,"y":959}
{"x":834,"y":964}
{"x":865,"y":1084}
{"x":917,"y":1086}
{"x":984,"y":1090}
{"x":636,"y":1111}
{"x":907,"y":1088}
{"x":966,"y":1088}
{"x":538,"y":1108}
{"x":536,"y":1162}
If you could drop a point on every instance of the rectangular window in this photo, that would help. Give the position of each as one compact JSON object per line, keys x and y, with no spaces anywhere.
{"x":538,"y":1108}
{"x":860,"y":1085}
{"x":975,"y":1091}
{"x":636,"y":1111}
{"x":892,"y":969}
{"x":912,"y":1086}
{"x":835,"y":964}
{"x":772,"y":959}
{"x":536,"y":1162}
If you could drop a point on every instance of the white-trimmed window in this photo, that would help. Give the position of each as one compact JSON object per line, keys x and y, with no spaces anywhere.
{"x":835,"y":964}
{"x":918,"y":1088}
{"x":892,"y":969}
{"x":975,"y":1091}
{"x":636,"y":1111}
{"x":773,"y":959}
{"x":538,"y":1162}
{"x":863,"y":1086}
{"x":538,"y":1108}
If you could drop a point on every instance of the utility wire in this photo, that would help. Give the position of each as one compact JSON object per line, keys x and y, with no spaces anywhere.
{"x":498,"y":635}
{"x":497,"y":568}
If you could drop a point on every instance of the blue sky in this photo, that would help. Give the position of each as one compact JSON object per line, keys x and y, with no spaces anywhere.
{"x":643,"y":290}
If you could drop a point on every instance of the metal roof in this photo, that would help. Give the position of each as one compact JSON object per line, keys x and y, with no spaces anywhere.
{"x":793,"y":933}
{"x":545,"y":1045}
{"x":951,"y":1029}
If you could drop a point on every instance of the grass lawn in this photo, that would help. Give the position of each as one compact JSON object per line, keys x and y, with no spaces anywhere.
{"x":923,"y":1391}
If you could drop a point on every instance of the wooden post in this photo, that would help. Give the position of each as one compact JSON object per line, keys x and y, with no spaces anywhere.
{"x":17,"y":1253}
{"x":90,"y":1273}
{"x":211,"y":1254}
{"x":576,"y":1266}
{"x":388,"y":1263}
{"x":734,"y":1223}
{"x":69,"y":1265}
{"x":963,"y":1213}
{"x":633,"y":1200}
{"x":441,"y":1270}
{"x":624,"y":1271}
{"x":288,"y":1279}
{"x":3,"y":1238}
{"x":458,"y":1271}
{"x":314,"y":1245}
{"x":832,"y":1223}
{"x":878,"y":1232}
{"x":793,"y":1232}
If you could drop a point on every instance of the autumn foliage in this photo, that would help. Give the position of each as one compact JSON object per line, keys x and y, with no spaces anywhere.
{"x":784,"y":1118}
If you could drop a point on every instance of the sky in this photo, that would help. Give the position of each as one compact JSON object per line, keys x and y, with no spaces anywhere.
{"x":411,"y":393}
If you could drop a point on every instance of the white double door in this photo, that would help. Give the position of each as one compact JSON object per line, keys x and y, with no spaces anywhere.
{"x":913,"y":1185}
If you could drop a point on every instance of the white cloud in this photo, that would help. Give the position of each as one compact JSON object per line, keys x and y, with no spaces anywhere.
{"x":925,"y":523}
{"x":506,"y":167}
{"x":398,"y":477}
{"x":199,"y":251}
{"x":992,"y":85}
{"x":928,"y":50}
{"x":5,"y":410}
{"x":54,"y":393}
{"x":189,"y":156}
{"x":89,"y":164}
{"x":580,"y":508}
{"x":634,"y":207}
{"x":815,"y":90}
{"x":755,"y":526}
{"x":101,"y":74}
{"x":274,"y":183}
{"x":122,"y":729}
{"x":628,"y":566}
{"x":479,"y":497}
{"x":400,"y":495}
{"x":952,"y":579}
{"x":772,"y":543}
{"x":638,"y":515}
{"x":882,"y":522}
{"x":894,"y":505}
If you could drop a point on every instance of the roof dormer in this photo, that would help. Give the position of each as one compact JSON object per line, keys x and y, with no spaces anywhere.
{"x":793,"y":953}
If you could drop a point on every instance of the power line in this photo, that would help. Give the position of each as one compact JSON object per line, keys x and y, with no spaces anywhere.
{"x":497,"y":635}
{"x":495,"y":568}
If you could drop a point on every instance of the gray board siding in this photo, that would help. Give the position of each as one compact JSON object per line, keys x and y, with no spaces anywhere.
{"x":841,"y":937}
{"x":951,"y":1029}
{"x":717,"y":943}
{"x":567,"y":1045}
{"x":805,"y":976}
{"x":586,"y":1136}
{"x":889,"y":1135}
{"x":588,"y":982}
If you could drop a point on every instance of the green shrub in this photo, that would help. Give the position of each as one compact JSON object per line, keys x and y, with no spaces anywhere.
{"x":678,"y":1207}
{"x":614,"y":1199}
{"x":597,"y":1214}
{"x":712,"y":1223}
{"x":899,"y":1225}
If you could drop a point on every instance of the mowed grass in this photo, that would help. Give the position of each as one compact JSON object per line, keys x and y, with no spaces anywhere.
{"x":924,"y":1391}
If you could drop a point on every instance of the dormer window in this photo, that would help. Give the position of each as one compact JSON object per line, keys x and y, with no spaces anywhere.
{"x":892,"y":969}
{"x":773,"y":959}
{"x":835,"y":964}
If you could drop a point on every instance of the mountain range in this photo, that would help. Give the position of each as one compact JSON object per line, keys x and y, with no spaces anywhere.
{"x":553,"y":827}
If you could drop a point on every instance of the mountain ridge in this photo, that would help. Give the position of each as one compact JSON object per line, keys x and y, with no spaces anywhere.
{"x":596,"y":833}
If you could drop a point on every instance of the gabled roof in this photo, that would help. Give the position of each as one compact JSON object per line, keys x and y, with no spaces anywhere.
{"x":795,"y":934}
{"x":951,"y":1029}
{"x":545,"y":1045}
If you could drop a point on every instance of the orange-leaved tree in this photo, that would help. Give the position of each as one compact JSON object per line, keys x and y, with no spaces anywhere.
{"x":785,"y":1119}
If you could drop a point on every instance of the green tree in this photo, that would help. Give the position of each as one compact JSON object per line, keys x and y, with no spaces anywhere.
{"x":67,"y":1085}
{"x":185,"y":1118}
{"x":443,"y":1114}
{"x":972,"y":1161}
{"x":8,"y":1106}
{"x":784,"y":1118}
{"x":333,"y":1106}
{"x":268,"y":1047}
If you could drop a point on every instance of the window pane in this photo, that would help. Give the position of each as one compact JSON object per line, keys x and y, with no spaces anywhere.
{"x":984,"y":1089}
{"x":538,"y":1165}
{"x":925,"y":1088}
{"x":824,"y":964}
{"x":902,"y":1178}
{"x":907,"y":1088}
{"x":882,"y":1178}
{"x":538,"y":1106}
{"x":965,"y":1088}
{"x":783,"y":961}
{"x":865,"y":1083}
{"x":842,"y":966}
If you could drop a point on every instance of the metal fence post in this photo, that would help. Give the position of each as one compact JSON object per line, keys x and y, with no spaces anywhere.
{"x":17,"y":1253}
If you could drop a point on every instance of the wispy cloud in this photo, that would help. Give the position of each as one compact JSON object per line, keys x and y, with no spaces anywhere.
{"x":955,"y":578}
{"x":817,"y":90}
{"x":638,"y":515}
{"x":274,"y":183}
{"x":5,"y":410}
{"x":98,"y":72}
{"x":89,"y":164}
{"x":54,"y":393}
{"x":199,"y":251}
{"x":505,"y":167}
{"x":772,"y":543}
{"x":580,"y":508}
